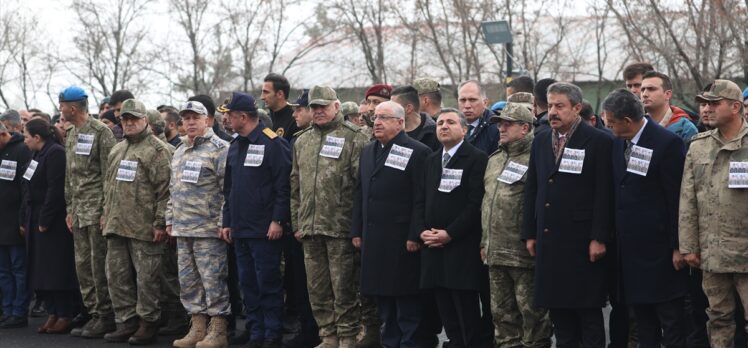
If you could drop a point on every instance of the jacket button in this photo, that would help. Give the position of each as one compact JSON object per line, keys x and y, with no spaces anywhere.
{"x":546,"y":230}
{"x":547,"y":205}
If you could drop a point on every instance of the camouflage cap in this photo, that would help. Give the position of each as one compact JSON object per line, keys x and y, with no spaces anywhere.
{"x":424,"y":86}
{"x":721,"y":89}
{"x":523,"y":98}
{"x":322,"y":95}
{"x":349,"y":108}
{"x":154,"y":118}
{"x":514,"y":112}
{"x":134,"y":108}
{"x":194,"y":106}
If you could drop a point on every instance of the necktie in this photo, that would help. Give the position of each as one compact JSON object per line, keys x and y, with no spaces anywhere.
{"x":561,"y":144}
{"x":470,"y":129}
{"x":445,"y":159}
{"x":627,"y":151}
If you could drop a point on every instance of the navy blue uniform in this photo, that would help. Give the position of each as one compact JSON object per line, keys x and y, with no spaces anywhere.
{"x":257,"y":192}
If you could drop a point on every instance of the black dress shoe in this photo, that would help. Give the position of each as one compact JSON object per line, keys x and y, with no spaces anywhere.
{"x":15,"y":322}
{"x":38,"y":311}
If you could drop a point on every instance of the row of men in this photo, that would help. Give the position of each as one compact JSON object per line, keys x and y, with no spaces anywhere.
{"x":318,"y":201}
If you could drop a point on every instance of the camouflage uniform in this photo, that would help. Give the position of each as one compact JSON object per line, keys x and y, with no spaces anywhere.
{"x":194,"y":212}
{"x":321,"y":203}
{"x":518,"y":323}
{"x":713,"y":223}
{"x":133,"y":208}
{"x":84,"y":196}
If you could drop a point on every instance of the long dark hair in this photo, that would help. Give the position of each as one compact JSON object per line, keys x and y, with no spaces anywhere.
{"x":42,"y":128}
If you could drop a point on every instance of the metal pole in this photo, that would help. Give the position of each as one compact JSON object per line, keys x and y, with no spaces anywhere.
{"x":509,"y":62}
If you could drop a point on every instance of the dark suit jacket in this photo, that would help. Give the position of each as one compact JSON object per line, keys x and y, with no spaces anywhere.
{"x":564,"y":212}
{"x":647,"y":218}
{"x":485,"y":136}
{"x":387,"y":212}
{"x":457,"y":264}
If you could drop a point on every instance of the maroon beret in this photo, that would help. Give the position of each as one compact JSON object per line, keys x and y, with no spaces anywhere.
{"x":380,"y":90}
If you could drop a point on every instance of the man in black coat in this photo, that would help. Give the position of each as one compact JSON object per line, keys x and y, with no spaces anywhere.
{"x":473,"y":103}
{"x":647,"y":169}
{"x":567,"y":219}
{"x":387,"y":221}
{"x":15,"y":157}
{"x":450,"y":259}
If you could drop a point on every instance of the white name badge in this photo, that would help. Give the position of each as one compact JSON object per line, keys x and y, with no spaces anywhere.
{"x":572,"y":161}
{"x":738,"y":177}
{"x":255,"y":155}
{"x":30,"y":170}
{"x":451,"y":178}
{"x":639,"y":160}
{"x":127,"y":170}
{"x":191,"y":171}
{"x":333,"y":147}
{"x":8,"y":170}
{"x":398,"y":157}
{"x":512,"y":173}
{"x":84,"y":145}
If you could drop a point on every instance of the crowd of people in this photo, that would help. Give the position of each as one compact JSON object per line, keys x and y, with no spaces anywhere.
{"x":384,"y":222}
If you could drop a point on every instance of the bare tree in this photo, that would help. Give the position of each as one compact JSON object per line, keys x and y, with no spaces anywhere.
{"x":109,"y":40}
{"x":247,"y":28}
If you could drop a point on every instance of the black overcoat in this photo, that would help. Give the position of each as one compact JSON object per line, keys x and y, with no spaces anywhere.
{"x":646,"y":218}
{"x":457,"y":264}
{"x":564,"y":212}
{"x":51,"y":258}
{"x":11,"y":190}
{"x":387,"y":212}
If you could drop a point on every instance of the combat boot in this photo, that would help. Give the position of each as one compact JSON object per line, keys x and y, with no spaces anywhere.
{"x":176,"y":324}
{"x":347,"y":342}
{"x":123,"y":332}
{"x":98,"y":327}
{"x":329,"y":342}
{"x":146,"y":333}
{"x":370,"y":338}
{"x":216,"y":337}
{"x":196,"y":334}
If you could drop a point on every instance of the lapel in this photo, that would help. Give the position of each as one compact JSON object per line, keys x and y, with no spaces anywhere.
{"x":578,"y":140}
{"x":399,"y":139}
{"x":462,"y":151}
{"x":647,"y":139}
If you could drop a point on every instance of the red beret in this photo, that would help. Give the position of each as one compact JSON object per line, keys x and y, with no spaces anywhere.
{"x":379,"y":90}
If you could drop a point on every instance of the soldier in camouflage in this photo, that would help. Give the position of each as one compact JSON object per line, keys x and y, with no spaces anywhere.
{"x":713,"y":201}
{"x":137,"y":193}
{"x":323,"y":176}
{"x":510,"y":266}
{"x":87,"y":148}
{"x":193,"y":217}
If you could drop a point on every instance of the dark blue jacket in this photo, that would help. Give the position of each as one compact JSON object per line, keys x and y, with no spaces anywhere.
{"x":256,"y":196}
{"x":647,"y":218}
{"x":485,"y":136}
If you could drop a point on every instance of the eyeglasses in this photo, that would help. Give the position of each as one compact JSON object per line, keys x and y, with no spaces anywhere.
{"x":383,"y":117}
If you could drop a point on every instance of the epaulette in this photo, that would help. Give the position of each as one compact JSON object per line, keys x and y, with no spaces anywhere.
{"x":352,"y":126}
{"x":702,"y":135}
{"x":217,"y":142}
{"x":269,"y":133}
{"x":302,"y":131}
{"x":68,"y":128}
{"x":498,"y":151}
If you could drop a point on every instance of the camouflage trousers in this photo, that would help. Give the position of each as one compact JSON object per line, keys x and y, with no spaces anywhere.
{"x":133,"y":267}
{"x":518,"y":323}
{"x":330,"y":270}
{"x":720,"y":290}
{"x":368,"y":305}
{"x":90,"y":265}
{"x":169,"y":279}
{"x":203,"y":275}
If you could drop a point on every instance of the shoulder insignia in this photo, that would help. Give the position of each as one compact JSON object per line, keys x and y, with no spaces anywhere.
{"x":302,"y":131}
{"x":217,"y":142}
{"x":280,"y":131}
{"x":269,"y":133}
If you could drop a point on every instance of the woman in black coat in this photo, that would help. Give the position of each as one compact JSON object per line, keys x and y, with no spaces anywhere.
{"x":51,"y":258}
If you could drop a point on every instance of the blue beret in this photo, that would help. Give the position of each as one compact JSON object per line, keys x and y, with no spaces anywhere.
{"x":745,"y":93}
{"x":498,"y":106}
{"x":72,"y":94}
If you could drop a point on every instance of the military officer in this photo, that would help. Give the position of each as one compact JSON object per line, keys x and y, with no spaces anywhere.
{"x":136,"y":198}
{"x":323,"y":176}
{"x":87,"y":148}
